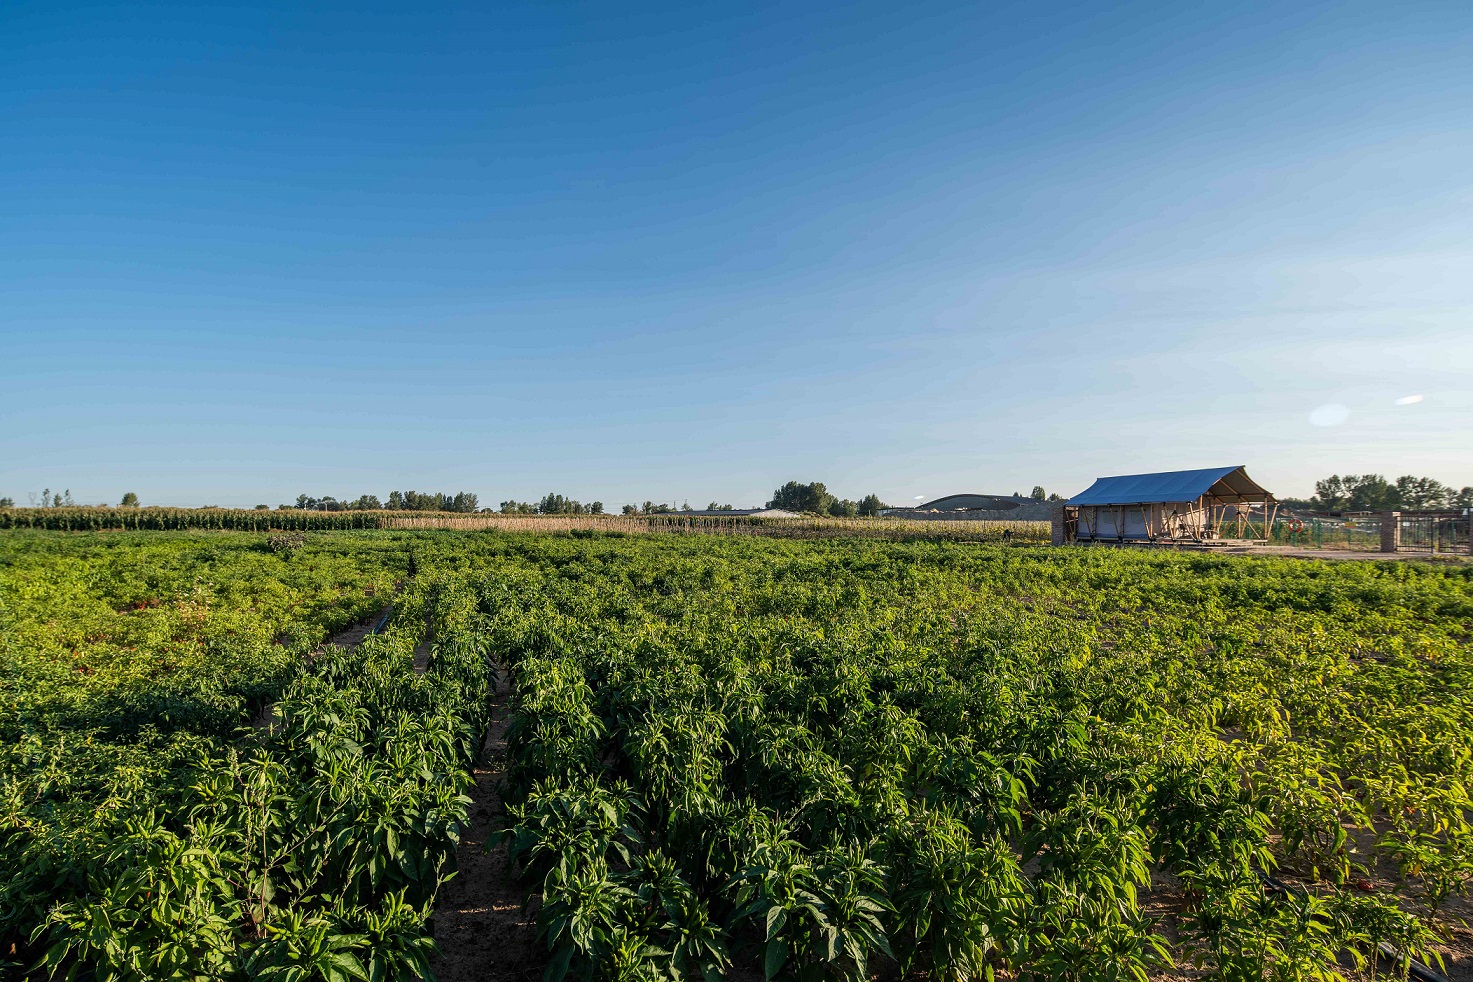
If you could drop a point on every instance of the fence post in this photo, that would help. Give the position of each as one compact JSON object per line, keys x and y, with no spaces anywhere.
{"x":1390,"y":531}
{"x":1057,"y":517}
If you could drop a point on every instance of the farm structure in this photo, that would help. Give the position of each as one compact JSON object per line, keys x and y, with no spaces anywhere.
{"x":974,"y":507}
{"x":739,"y":512}
{"x":1171,"y":506}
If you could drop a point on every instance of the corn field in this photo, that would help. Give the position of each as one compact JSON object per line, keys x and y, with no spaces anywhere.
{"x":249,"y":520}
{"x":174,"y":519}
{"x":785,"y":528}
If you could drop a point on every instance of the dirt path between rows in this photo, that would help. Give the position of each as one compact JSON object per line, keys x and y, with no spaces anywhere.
{"x":483,"y":933}
{"x":348,"y":637}
{"x":422,"y":650}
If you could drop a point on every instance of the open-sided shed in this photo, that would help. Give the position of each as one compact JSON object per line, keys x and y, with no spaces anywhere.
{"x":1172,"y":506}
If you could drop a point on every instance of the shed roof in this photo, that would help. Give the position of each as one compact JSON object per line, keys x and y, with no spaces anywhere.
{"x":1228,"y":483}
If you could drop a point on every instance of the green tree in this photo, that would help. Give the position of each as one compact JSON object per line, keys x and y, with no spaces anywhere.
{"x":1374,"y":493}
{"x":1039,"y":494}
{"x":130,"y":500}
{"x":871,"y":505}
{"x":1331,"y":494}
{"x":1422,"y":493}
{"x":1355,"y":492}
{"x":813,"y":498}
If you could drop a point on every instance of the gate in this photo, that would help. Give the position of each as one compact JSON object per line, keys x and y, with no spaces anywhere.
{"x":1434,"y":532}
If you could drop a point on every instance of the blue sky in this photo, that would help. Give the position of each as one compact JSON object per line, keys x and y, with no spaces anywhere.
{"x":693,"y":251}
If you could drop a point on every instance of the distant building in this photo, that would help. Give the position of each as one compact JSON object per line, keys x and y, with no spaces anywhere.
{"x":1172,"y":506}
{"x":976,"y":507}
{"x":740,"y":512}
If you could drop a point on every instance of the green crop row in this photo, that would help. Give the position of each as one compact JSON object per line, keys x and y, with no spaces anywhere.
{"x":807,"y":760}
{"x":310,"y":845}
{"x":727,"y":755}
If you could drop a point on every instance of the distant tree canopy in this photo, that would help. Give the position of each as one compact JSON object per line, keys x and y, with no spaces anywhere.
{"x":461,"y":501}
{"x":815,"y":499}
{"x":130,"y":500}
{"x":1372,"y":492}
{"x":57,"y":500}
{"x":793,"y":496}
{"x":552,"y":504}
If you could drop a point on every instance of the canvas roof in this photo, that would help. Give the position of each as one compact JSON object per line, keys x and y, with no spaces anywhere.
{"x":1228,"y":483}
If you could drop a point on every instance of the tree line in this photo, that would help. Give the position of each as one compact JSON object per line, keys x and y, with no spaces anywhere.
{"x":1372,"y":492}
{"x":460,"y":501}
{"x":552,"y":504}
{"x":814,"y":498}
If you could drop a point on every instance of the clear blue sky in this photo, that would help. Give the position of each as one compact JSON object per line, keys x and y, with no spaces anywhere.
{"x":629,"y":251}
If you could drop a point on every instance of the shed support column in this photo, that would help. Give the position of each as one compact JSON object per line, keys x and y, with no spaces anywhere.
{"x":1390,"y":531}
{"x":1058,"y":525}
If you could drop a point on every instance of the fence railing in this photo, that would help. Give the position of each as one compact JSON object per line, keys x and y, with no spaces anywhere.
{"x":1430,"y":533}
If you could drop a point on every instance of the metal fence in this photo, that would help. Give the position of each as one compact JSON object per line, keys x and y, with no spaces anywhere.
{"x":1360,"y":533}
{"x":1435,"y":533}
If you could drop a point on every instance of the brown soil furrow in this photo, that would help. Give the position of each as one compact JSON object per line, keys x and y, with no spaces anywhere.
{"x":422,"y":651}
{"x":483,"y":931}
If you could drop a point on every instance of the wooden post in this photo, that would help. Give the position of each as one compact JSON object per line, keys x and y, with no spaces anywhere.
{"x":1390,"y":531}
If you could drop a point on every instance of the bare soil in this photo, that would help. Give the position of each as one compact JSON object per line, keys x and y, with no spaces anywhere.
{"x":422,"y":651}
{"x":354,"y":635}
{"x":483,"y":931}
